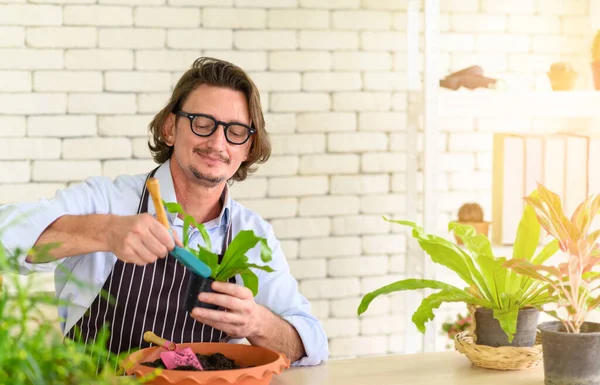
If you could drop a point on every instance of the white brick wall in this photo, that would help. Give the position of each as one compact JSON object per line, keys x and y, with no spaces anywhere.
{"x":80,"y":80}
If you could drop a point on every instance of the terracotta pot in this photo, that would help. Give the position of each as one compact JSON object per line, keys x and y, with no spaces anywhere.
{"x":266,"y":363}
{"x":480,"y":228}
{"x":562,"y":81}
{"x":596,"y":74}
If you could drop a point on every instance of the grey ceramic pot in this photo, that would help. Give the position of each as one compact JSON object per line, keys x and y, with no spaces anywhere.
{"x":489,"y":332}
{"x":571,"y":358}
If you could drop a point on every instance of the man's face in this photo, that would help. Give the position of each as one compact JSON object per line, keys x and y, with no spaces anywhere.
{"x":210,"y":160}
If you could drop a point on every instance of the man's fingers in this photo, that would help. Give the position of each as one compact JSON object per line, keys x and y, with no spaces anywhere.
{"x":139,"y":253}
{"x":226,"y":301}
{"x":177,"y":240}
{"x":162,"y":235}
{"x":155,"y":247}
{"x":232,"y":289}
{"x":216,"y":317}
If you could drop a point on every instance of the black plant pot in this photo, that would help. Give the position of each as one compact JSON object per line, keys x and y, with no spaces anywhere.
{"x":196,"y":285}
{"x":489,"y":332}
{"x":571,"y":358}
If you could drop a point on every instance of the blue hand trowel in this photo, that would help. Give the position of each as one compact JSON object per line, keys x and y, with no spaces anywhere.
{"x":188,"y":259}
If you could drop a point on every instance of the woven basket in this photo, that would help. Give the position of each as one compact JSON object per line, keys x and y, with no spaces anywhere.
{"x":500,"y":358}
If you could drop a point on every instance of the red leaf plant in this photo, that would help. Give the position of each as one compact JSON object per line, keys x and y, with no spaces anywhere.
{"x":571,"y":282}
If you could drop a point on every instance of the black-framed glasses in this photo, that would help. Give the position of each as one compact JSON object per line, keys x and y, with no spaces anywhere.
{"x":205,"y":125}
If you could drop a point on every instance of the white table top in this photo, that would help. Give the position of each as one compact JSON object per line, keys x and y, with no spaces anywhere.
{"x":443,"y":368}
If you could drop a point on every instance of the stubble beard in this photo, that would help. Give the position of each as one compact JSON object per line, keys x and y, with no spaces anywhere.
{"x":205,"y":179}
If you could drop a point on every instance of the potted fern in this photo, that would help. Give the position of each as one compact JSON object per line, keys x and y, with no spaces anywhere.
{"x":507,"y":304}
{"x":234,"y":261}
{"x":572,"y":343}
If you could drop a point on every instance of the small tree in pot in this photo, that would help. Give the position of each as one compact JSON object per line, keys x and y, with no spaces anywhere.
{"x":472,"y":214}
{"x":506,"y":303}
{"x":571,"y":345}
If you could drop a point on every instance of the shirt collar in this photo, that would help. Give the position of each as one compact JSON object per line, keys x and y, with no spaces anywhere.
{"x":167,"y":192}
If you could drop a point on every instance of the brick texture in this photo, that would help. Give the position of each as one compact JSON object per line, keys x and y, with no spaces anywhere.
{"x":80,"y":81}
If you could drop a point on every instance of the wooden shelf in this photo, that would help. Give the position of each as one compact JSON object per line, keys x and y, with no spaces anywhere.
{"x":517,"y":104}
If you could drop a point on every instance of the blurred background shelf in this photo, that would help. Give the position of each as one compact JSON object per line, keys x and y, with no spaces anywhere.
{"x":482,"y":103}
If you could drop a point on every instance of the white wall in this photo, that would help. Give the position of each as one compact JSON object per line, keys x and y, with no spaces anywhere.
{"x":81,"y":79}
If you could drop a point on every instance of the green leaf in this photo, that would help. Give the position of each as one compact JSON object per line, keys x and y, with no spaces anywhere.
{"x":250,"y":281}
{"x":209,"y":258}
{"x":204,"y":234}
{"x":593,"y":303}
{"x":234,"y":260}
{"x":236,"y":266}
{"x":492,"y":269}
{"x":240,"y":245}
{"x":263,"y":268}
{"x":424,"y":312}
{"x":526,"y":242}
{"x":528,"y":235}
{"x":186,"y":227}
{"x":174,"y":207}
{"x":265,"y":251}
{"x":449,"y":255}
{"x":414,"y":284}
{"x":548,"y":251}
{"x":508,"y":320}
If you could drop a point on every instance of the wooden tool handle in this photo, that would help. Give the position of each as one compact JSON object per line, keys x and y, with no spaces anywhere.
{"x":156,"y":340}
{"x":154,"y":189}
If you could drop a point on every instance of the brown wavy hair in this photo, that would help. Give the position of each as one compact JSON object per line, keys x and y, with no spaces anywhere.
{"x":219,"y":73}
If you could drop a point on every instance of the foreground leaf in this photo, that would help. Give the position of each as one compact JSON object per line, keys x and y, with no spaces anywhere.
{"x":424,"y":312}
{"x":250,"y":281}
{"x":508,"y":320}
{"x":411,"y":284}
{"x":449,"y":255}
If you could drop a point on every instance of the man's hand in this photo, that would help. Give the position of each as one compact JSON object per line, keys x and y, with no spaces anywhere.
{"x":138,"y":239}
{"x":243,"y":316}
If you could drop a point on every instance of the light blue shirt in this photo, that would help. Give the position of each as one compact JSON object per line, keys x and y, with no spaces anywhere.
{"x":22,"y":225}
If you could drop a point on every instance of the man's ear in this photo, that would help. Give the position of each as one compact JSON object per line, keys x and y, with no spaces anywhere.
{"x":168,"y":130}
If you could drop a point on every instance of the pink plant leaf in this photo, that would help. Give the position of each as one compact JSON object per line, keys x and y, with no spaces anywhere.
{"x":584,"y":214}
{"x":524,"y":267}
{"x":547,"y":222}
{"x":550,"y":214}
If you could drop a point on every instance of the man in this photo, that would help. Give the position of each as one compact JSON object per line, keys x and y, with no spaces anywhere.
{"x":211,"y":131}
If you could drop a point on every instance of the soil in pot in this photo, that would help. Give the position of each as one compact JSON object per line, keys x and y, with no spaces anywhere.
{"x":571,"y":358}
{"x":216,"y":361}
{"x":196,"y":285}
{"x":489,"y":332}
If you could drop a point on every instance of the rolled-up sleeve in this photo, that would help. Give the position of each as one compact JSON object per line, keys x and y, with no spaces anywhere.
{"x":22,"y":224}
{"x":279,"y":292}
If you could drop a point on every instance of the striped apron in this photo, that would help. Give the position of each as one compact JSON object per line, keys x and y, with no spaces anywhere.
{"x":145,"y":298}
